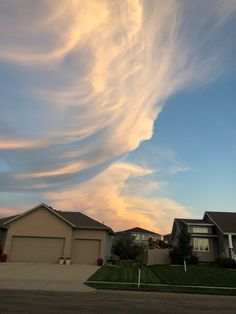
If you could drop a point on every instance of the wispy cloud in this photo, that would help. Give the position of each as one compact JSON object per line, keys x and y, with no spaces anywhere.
{"x":105,"y":198}
{"x":99,"y":73}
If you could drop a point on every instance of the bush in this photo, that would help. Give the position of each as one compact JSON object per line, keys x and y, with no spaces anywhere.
{"x":175,"y":256}
{"x":127,"y":249}
{"x":193,"y":259}
{"x":226,"y":262}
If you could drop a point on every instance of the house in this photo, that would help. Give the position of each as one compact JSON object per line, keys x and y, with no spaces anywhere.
{"x":167,"y":238}
{"x":140,"y":235}
{"x":211,"y":237}
{"x":43,"y":234}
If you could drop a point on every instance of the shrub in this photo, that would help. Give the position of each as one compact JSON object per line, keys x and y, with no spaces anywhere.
{"x":127,"y":249}
{"x":226,"y":262}
{"x":193,"y":259}
{"x":175,"y":256}
{"x":178,"y":259}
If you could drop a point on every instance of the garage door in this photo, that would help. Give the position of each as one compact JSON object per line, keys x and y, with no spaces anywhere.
{"x":36,"y":249}
{"x":87,"y":251}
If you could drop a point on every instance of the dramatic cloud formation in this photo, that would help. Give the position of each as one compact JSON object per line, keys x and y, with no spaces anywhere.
{"x":94,"y":75}
{"x":108,"y":197}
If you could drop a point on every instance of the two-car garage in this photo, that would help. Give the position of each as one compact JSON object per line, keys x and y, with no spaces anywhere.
{"x":48,"y":250}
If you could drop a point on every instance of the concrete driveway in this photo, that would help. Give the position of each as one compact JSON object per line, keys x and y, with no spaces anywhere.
{"x":53,"y":277}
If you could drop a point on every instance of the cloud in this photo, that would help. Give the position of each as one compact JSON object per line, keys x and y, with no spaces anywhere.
{"x":105,"y":198}
{"x":175,"y":168}
{"x":5,"y":212}
{"x":94,"y":77}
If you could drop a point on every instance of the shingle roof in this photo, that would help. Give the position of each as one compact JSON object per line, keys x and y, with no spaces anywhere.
{"x":78,"y":219}
{"x":137,"y":230}
{"x":81,"y":220}
{"x":225,"y":220}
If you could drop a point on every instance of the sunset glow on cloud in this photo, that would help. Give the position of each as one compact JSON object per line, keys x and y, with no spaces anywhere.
{"x":85,"y":83}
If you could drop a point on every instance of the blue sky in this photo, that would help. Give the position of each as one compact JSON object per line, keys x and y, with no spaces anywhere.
{"x":199,"y":127}
{"x":123,"y":111}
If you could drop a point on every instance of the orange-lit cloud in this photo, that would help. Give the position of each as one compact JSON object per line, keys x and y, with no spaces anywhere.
{"x":104,"y":198}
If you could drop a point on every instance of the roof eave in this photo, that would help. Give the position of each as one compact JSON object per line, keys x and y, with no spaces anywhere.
{"x":95,"y":228}
{"x":36,"y":207}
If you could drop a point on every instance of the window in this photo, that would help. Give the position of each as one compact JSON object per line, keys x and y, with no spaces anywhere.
{"x":139,"y":237}
{"x":200,"y":230}
{"x":201,"y":244}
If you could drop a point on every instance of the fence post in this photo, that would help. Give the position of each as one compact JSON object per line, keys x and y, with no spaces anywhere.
{"x":185,"y":267}
{"x":139,"y":277}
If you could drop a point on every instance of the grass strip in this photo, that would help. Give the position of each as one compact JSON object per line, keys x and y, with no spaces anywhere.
{"x":173,"y":289}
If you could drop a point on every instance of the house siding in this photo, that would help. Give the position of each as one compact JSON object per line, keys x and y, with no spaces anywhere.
{"x":90,"y":235}
{"x":207,"y":257}
{"x":39,"y":223}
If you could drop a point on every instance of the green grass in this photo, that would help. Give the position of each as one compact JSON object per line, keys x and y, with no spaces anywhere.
{"x":173,"y":289}
{"x":197,"y":275}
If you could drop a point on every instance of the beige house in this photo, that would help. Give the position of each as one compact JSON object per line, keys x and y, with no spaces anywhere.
{"x":43,"y":234}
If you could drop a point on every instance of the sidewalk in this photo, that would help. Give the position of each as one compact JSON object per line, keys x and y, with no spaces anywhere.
{"x":49,"y":277}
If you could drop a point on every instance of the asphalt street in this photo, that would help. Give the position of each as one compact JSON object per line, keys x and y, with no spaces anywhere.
{"x":45,"y":302}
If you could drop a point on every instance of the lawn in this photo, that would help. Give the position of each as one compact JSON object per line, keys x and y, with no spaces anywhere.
{"x":197,"y":275}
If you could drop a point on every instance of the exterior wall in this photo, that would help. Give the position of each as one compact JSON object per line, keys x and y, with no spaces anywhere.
{"x":93,"y":235}
{"x":40,"y":223}
{"x":208,"y":256}
{"x":158,"y":256}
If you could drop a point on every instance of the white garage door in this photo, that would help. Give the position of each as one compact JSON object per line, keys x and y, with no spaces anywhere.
{"x":87,"y":251}
{"x":36,"y":249}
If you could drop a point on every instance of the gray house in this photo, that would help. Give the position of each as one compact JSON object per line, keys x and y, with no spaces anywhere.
{"x":211,"y":237}
{"x":140,"y":235}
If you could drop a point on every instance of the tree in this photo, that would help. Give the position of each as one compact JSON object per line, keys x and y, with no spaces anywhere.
{"x":184,"y":247}
{"x":183,"y":251}
{"x":127,"y":249}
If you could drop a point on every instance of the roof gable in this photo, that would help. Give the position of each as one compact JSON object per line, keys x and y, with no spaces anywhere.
{"x":226,"y":221}
{"x":137,"y":230}
{"x":14,"y":218}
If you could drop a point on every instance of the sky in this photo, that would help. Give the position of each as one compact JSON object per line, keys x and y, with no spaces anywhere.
{"x":123,"y":110}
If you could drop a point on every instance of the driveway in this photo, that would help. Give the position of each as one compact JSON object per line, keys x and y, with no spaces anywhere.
{"x":53,"y":277}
